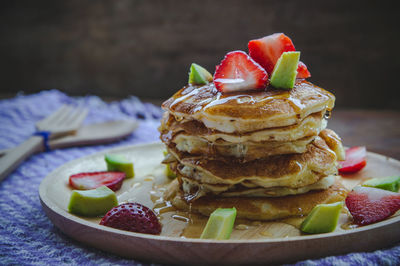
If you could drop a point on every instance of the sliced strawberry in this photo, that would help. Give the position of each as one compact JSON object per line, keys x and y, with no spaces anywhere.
{"x":302,"y":71}
{"x":132,"y":217}
{"x":355,"y":160}
{"x":84,"y":181}
{"x":267,"y":50}
{"x":237,"y":71}
{"x":369,"y":205}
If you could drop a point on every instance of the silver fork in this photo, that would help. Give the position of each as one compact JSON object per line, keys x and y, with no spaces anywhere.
{"x":64,"y":121}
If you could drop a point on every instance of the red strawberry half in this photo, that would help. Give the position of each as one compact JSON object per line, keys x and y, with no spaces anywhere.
{"x":302,"y":71}
{"x":132,"y":217}
{"x":84,"y":181}
{"x":238,"y":72}
{"x":369,"y":205}
{"x":267,"y":50}
{"x":355,"y":160}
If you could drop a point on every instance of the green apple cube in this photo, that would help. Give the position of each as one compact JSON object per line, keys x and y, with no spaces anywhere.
{"x":322,"y":219}
{"x":168,"y":172}
{"x":119,"y":163}
{"x":198,"y":75}
{"x":391,"y":183}
{"x":220,"y":224}
{"x":285,"y":71}
{"x":92,"y":202}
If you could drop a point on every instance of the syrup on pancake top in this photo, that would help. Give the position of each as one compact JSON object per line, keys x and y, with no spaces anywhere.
{"x":243,"y":111}
{"x":253,"y":136}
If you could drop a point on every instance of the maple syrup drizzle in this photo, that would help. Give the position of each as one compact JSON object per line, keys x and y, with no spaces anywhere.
{"x":349,"y":225}
{"x":327,"y":114}
{"x":186,"y":224}
{"x":207,"y":96}
{"x":203,"y":98}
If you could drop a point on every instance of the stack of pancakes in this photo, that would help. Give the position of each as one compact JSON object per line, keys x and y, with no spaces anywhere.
{"x":267,"y":153}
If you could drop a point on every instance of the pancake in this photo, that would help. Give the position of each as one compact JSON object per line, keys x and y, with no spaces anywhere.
{"x":246,"y":151}
{"x":334,"y":142}
{"x":259,"y":208}
{"x":192,"y":137}
{"x":192,"y":189}
{"x":309,"y":126}
{"x":290,"y":170}
{"x":248,"y":111}
{"x":265,"y":152}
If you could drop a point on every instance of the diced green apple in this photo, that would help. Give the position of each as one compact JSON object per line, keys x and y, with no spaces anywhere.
{"x":220,"y":224}
{"x":168,"y":172}
{"x":391,"y":183}
{"x":198,"y":75}
{"x":285,"y":71}
{"x":322,"y":219}
{"x":119,"y":163}
{"x":92,"y":202}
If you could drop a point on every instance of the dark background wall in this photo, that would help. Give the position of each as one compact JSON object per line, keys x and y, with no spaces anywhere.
{"x":144,"y":48}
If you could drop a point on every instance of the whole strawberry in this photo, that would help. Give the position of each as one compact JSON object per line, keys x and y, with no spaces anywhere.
{"x":132,"y":217}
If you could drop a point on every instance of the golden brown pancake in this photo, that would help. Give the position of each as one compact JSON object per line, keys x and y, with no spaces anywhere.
{"x":248,"y":111}
{"x":266,"y":153}
{"x":334,"y":142}
{"x":291,"y":170}
{"x":246,"y":151}
{"x":192,"y":137}
{"x":259,"y":208}
{"x":309,"y":126}
{"x":193,"y":189}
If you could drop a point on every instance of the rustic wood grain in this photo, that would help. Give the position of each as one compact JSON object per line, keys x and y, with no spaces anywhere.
{"x":379,"y":131}
{"x":144,"y":48}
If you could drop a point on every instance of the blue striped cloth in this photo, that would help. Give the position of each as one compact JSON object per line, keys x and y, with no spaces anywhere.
{"x":27,"y":237}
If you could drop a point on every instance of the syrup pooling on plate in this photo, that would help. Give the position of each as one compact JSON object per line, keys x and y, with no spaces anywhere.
{"x":186,"y":224}
{"x":183,"y":224}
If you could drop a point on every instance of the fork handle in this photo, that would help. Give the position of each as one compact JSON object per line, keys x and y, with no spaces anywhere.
{"x":15,"y":156}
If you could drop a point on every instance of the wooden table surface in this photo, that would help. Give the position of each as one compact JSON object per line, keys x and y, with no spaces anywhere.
{"x":379,"y":131}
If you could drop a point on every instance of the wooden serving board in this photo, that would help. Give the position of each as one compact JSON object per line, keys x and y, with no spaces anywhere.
{"x":251,"y":241}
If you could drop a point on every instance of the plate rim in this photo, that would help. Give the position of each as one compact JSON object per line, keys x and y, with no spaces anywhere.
{"x":46,"y":203}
